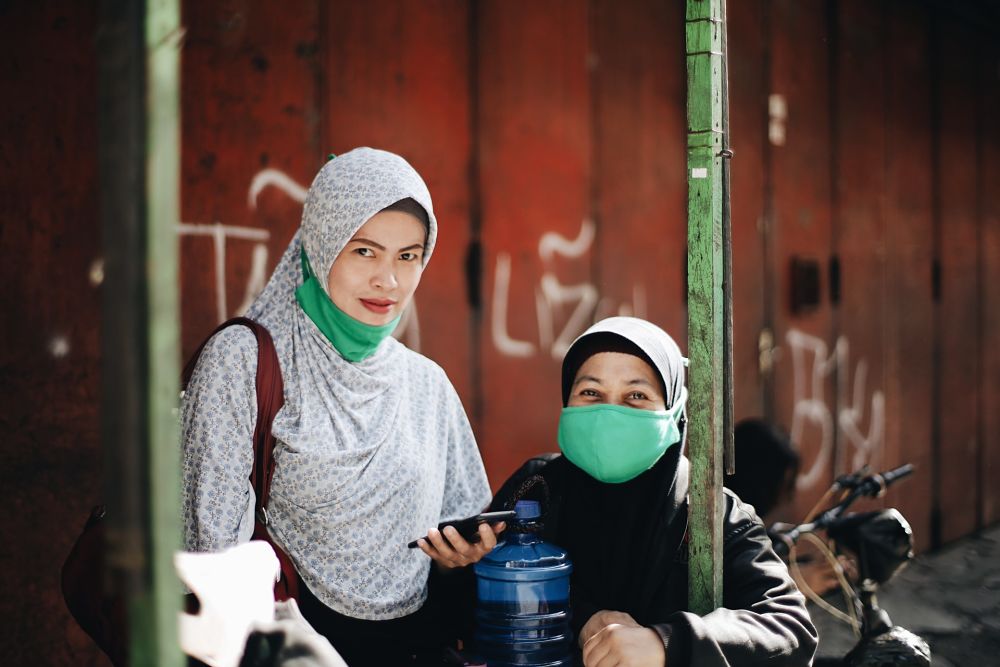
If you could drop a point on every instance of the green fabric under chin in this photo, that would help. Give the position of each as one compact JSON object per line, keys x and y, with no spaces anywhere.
{"x":354,"y":340}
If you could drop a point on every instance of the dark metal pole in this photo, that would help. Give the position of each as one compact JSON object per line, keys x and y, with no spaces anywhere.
{"x":728,"y":446}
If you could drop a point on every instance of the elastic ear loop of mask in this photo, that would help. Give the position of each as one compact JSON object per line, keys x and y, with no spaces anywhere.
{"x":679,"y":405}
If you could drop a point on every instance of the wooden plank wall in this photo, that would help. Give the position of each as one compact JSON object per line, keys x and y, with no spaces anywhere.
{"x":532,"y":120}
{"x":860,"y":235}
{"x":909,"y":298}
{"x":749,"y":174}
{"x":988,"y":259}
{"x":957,"y":238}
{"x":552,"y":139}
{"x":800,"y":359}
{"x":50,"y":459}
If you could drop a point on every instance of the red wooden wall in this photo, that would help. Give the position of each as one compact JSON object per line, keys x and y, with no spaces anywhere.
{"x":551,"y":136}
{"x":552,"y":139}
{"x":50,"y":247}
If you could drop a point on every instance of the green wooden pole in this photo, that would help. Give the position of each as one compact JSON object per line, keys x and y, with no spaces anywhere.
{"x":139,"y":157}
{"x":163,"y":146}
{"x":705,"y":300}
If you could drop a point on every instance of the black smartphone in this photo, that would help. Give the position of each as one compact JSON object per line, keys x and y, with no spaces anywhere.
{"x":469,"y":528}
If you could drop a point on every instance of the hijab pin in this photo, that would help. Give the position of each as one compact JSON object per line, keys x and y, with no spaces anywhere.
{"x":330,"y":156}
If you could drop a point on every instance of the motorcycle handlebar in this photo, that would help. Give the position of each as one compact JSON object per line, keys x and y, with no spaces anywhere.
{"x":897,"y":473}
{"x":871,"y":485}
{"x":876,"y":484}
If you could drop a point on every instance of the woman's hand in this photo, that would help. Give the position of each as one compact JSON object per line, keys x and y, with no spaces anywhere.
{"x":614,"y":638}
{"x":450,"y":550}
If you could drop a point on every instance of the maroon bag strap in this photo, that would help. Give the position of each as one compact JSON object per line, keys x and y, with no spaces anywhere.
{"x":270,"y":398}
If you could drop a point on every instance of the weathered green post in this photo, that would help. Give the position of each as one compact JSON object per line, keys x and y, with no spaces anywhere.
{"x":704,"y":36}
{"x":163,"y":135}
{"x":139,"y":165}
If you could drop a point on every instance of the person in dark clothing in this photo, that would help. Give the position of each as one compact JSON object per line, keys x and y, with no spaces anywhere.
{"x":766,"y":465}
{"x":617,"y":502}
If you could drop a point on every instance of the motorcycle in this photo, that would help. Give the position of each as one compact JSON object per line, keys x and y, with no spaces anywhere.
{"x":881,"y":543}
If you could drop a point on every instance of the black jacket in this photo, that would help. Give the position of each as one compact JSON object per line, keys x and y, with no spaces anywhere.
{"x":763,"y":618}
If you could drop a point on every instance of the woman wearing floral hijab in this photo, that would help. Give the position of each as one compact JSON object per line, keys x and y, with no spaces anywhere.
{"x":618,"y":505}
{"x":372,"y":443}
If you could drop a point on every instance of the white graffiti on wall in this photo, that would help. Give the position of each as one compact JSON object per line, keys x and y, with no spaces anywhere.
{"x":220,"y":233}
{"x":409,"y":326}
{"x":812,"y":363}
{"x":553,"y":298}
{"x":279,"y":179}
{"x":258,"y":264}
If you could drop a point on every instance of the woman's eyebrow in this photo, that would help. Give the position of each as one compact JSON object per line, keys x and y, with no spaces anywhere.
{"x":585,"y":378}
{"x":640,"y":381}
{"x":361,"y":239}
{"x":415,"y":246}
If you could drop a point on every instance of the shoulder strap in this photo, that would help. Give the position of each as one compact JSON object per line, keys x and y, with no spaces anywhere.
{"x":270,"y":398}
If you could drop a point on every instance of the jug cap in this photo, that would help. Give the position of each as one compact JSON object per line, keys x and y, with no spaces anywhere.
{"x":527,"y":509}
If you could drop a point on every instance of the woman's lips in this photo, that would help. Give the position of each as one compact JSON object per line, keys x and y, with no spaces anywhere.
{"x":380,"y":306}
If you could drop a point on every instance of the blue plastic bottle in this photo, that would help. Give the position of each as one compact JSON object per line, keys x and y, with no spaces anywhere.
{"x":522,"y":613}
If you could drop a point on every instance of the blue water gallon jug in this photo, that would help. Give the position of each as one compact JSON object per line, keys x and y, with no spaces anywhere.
{"x":522,"y":612}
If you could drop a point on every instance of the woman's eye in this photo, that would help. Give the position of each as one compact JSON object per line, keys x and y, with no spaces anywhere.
{"x":589,"y":392}
{"x":365,"y":252}
{"x":637,"y":396}
{"x":409,"y":256}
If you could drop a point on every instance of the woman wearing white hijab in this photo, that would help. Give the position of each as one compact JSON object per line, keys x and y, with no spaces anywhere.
{"x":617,"y":502}
{"x":372,"y":443}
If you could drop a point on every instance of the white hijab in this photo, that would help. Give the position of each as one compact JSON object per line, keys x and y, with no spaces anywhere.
{"x":656,"y":343}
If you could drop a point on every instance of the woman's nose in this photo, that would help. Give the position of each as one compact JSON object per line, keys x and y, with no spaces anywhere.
{"x":385,"y":278}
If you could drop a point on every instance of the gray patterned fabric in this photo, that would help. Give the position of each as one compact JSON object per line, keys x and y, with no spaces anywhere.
{"x":369,"y":455}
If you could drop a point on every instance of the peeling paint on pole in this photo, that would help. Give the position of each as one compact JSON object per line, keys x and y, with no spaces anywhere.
{"x":705,"y":300}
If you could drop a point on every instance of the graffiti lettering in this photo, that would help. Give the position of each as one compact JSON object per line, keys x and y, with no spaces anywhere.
{"x":279,"y":179}
{"x":219,"y":233}
{"x":811,"y":365}
{"x":498,"y":324}
{"x":552,"y":297}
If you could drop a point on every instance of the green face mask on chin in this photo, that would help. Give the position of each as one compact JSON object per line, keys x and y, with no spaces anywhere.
{"x":614,"y":443}
{"x":353,"y":340}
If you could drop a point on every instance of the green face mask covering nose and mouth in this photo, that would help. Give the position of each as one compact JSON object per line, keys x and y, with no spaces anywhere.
{"x":354,"y":340}
{"x":614,"y":443}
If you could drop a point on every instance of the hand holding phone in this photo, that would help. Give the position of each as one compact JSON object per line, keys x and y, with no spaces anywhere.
{"x":469,"y":528}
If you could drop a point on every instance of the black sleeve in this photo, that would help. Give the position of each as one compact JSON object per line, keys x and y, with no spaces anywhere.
{"x":764,"y":617}
{"x":452,"y":599}
{"x":520,"y":484}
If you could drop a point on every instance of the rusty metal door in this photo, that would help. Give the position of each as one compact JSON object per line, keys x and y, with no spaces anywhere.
{"x":798,"y":349}
{"x":908,"y":346}
{"x":537,"y":230}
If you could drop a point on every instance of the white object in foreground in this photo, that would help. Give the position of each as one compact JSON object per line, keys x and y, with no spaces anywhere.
{"x":236,"y":589}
